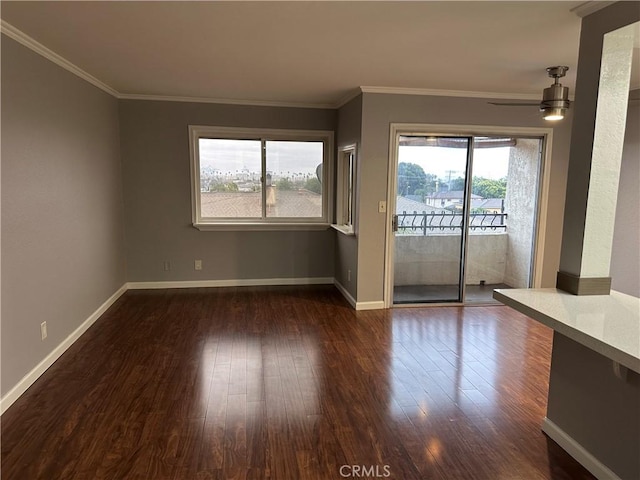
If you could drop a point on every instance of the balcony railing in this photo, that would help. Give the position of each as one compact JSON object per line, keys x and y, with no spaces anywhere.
{"x":444,"y":222}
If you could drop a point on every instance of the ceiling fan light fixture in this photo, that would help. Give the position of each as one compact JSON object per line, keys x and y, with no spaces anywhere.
{"x":553,"y":114}
{"x":555,"y":99}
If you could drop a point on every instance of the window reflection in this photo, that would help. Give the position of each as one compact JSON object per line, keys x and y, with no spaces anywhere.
{"x":440,"y":367}
{"x":252,"y":373}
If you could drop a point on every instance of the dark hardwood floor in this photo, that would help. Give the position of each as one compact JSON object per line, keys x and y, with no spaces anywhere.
{"x":289,"y":383}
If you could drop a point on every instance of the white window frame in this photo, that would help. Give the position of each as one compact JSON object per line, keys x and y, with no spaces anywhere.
{"x":346,"y":190}
{"x":196,"y":132}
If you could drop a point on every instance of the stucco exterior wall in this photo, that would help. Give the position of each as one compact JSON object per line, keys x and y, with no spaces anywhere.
{"x":520,"y":205}
{"x":435,"y":259}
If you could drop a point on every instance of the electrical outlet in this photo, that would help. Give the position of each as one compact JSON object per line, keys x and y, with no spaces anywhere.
{"x":43,"y":330}
{"x":382,"y":206}
{"x":348,"y":275}
{"x":167,"y":266}
{"x":197,"y":264}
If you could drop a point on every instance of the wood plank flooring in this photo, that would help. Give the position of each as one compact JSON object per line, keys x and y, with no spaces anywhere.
{"x":289,"y":383}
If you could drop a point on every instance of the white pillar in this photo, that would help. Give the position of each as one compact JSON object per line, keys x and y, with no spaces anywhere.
{"x":596,"y":152}
{"x":611,"y":115}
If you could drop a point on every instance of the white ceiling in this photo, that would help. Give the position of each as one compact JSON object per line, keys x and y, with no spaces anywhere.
{"x":313,"y":53}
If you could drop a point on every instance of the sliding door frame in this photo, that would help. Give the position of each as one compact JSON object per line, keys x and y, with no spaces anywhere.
{"x":398,"y":129}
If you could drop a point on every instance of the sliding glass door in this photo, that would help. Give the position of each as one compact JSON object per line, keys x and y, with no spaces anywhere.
{"x":502,"y":215}
{"x":465,"y":217}
{"x":430,"y":218}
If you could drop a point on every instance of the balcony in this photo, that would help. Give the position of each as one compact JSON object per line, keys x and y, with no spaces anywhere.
{"x":427,"y":256}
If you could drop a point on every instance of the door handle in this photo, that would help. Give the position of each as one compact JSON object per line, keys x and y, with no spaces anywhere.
{"x":394,"y":223}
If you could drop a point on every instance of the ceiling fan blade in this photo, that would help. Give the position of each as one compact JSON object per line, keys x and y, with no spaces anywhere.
{"x":509,"y":104}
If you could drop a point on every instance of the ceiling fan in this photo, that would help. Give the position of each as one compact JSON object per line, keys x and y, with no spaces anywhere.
{"x":555,"y":99}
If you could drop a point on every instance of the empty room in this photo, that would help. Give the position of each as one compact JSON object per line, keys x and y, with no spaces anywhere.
{"x":320,"y":240}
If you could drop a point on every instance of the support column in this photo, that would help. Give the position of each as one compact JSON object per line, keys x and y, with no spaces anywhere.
{"x":594,"y":164}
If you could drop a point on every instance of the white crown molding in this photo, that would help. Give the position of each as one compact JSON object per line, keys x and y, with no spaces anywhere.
{"x":450,"y":93}
{"x":587,"y":8}
{"x":24,"y":39}
{"x":226,"y":101}
{"x":347,"y":98}
{"x":37,"y":47}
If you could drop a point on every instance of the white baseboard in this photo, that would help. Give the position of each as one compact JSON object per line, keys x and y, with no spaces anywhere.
{"x":345,"y":293}
{"x":577,"y":451}
{"x":379,"y":305}
{"x":354,"y":303}
{"x":28,"y":380}
{"x":252,"y":282}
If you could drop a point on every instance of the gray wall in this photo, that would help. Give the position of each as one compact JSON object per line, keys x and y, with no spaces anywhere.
{"x":157,"y":191}
{"x":380,"y":110}
{"x":598,"y":410}
{"x":62,"y":227}
{"x":349,"y":132}
{"x":625,"y":258}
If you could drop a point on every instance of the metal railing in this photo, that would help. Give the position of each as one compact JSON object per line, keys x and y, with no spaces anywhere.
{"x":442,"y":222}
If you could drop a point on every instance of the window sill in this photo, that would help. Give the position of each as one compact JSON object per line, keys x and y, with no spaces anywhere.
{"x":345,"y":230}
{"x":248,"y":226}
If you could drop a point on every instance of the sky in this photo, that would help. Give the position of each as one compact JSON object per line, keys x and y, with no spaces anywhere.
{"x":282,"y":156}
{"x":487,"y":162}
{"x":304,"y":157}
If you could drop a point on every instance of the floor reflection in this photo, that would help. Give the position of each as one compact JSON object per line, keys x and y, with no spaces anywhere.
{"x":289,"y":384}
{"x":251,"y":372}
{"x":444,"y":364}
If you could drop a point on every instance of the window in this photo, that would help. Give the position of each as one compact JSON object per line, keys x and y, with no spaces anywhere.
{"x":346,"y":189}
{"x":260,"y":179}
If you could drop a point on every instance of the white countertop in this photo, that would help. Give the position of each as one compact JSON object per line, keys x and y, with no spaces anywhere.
{"x":608,"y":324}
